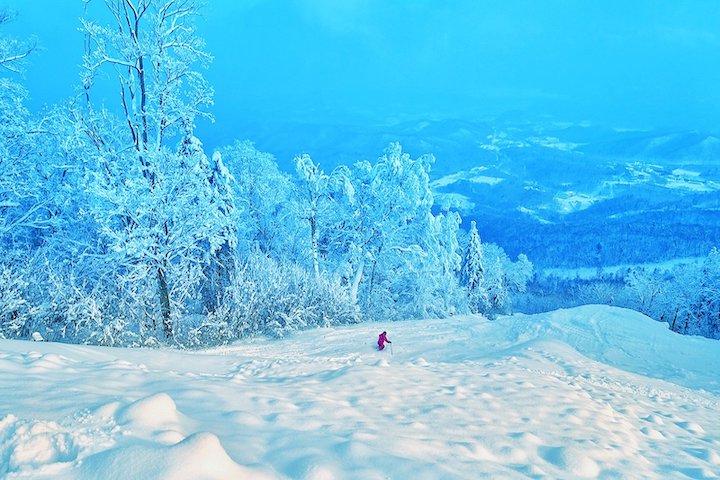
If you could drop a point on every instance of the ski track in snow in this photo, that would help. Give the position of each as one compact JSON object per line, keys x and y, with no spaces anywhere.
{"x":590,"y":392}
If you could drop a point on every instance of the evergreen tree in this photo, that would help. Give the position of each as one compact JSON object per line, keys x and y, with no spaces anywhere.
{"x":472,"y":273}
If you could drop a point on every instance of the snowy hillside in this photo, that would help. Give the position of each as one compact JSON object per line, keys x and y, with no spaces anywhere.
{"x":592,"y":392}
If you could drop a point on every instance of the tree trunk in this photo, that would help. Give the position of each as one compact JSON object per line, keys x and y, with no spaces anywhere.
{"x":314,"y":241}
{"x":355,"y":286}
{"x":672,"y":326}
{"x":372,"y":271}
{"x":164,"y":303}
{"x":218,"y":277}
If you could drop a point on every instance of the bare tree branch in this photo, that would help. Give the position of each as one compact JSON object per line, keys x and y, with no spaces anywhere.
{"x":13,"y":52}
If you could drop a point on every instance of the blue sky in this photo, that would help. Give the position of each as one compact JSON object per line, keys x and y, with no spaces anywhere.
{"x":632,"y":63}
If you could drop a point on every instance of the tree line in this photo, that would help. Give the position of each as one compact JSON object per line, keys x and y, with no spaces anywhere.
{"x":117,"y":228}
{"x":685,"y":295}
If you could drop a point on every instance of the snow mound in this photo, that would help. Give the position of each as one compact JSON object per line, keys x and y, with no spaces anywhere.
{"x":154,"y":411}
{"x":198,"y":457}
{"x":618,"y":337}
{"x":107,"y":410}
{"x":155,"y":418}
{"x":382,"y":363}
{"x":572,"y":461}
{"x":29,"y":444}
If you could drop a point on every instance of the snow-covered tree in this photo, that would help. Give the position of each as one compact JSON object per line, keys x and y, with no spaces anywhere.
{"x":21,"y":206}
{"x":704,"y":315}
{"x":504,"y":279}
{"x":274,"y":297}
{"x":154,"y":49}
{"x":501,"y":281}
{"x":685,"y":296}
{"x":518,"y":274}
{"x":264,"y":199}
{"x":204,"y":189}
{"x":313,"y":190}
{"x":384,"y":241}
{"x":13,"y":304}
{"x":437,"y":290}
{"x":648,"y":289}
{"x":472,"y":272}
{"x":13,"y":52}
{"x":27,"y":201}
{"x":150,"y":221}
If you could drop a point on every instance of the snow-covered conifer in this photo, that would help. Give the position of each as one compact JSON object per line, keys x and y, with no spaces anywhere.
{"x":472,"y":272}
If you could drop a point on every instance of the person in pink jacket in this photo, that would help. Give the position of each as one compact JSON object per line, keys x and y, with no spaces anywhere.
{"x":382,"y":340}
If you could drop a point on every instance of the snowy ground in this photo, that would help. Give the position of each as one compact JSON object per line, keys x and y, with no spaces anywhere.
{"x":591,"y":392}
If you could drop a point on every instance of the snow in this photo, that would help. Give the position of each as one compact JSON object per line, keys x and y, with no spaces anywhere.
{"x":680,"y":172}
{"x":503,"y":140}
{"x":456,"y":201}
{"x":555,"y":142}
{"x":691,"y":182}
{"x":465,"y":175}
{"x":198,"y":456}
{"x":569,"y":201}
{"x":484,"y":179}
{"x":678,"y":178}
{"x":589,"y":392}
{"x":532,"y":213}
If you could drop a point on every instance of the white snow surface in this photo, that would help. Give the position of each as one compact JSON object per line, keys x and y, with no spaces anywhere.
{"x":589,"y":392}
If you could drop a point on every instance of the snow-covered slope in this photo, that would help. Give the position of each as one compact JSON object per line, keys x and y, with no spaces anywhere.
{"x":591,"y":392}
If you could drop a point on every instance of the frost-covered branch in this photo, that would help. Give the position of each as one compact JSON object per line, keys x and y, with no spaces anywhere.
{"x":13,"y":52}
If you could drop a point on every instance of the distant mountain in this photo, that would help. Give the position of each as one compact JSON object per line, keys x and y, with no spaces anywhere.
{"x":606,"y":198}
{"x":693,"y":147}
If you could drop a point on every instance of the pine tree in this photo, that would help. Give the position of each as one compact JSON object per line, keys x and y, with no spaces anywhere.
{"x":472,"y":272}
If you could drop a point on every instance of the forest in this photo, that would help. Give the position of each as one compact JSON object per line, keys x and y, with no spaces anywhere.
{"x":118,"y":228}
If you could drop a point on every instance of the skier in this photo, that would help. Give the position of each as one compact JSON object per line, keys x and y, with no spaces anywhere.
{"x":382,"y":339}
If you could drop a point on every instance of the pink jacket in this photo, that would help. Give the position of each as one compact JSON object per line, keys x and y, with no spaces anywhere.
{"x":382,"y":339}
